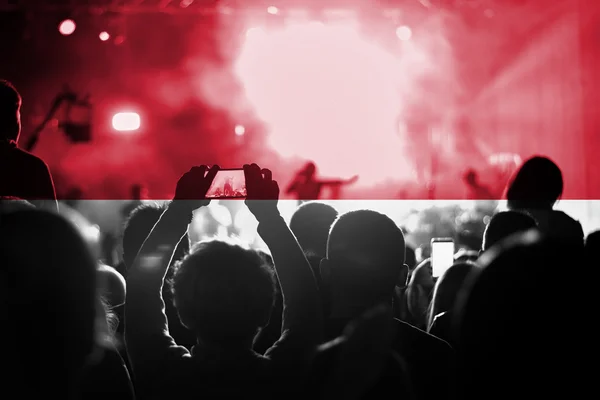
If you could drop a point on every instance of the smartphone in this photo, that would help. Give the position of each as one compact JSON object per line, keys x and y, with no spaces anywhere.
{"x":442,"y":255}
{"x":228,"y":184}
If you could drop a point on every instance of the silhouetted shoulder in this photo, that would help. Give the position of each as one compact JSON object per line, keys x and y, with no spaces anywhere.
{"x":27,"y":158}
{"x":24,"y":175}
{"x":558,"y":224}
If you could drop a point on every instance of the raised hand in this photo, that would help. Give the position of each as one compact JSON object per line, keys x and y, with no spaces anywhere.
{"x":193,"y":185}
{"x":352,"y":180}
{"x":262,"y":192}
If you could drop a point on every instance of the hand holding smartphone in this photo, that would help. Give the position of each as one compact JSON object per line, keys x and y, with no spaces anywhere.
{"x":442,"y":255}
{"x":228,"y":184}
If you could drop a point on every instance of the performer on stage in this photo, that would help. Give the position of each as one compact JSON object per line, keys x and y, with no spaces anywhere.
{"x":476,"y":190}
{"x":306,"y":187}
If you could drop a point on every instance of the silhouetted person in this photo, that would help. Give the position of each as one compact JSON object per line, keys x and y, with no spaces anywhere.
{"x":270,"y":333}
{"x":365,"y":260}
{"x":518,"y":338}
{"x":137,"y":228}
{"x":413,"y":296}
{"x":505,"y":224}
{"x":307,"y":187}
{"x":310,"y":223}
{"x":22,"y":174}
{"x":440,"y":319}
{"x":476,"y":191}
{"x":535,"y":188}
{"x":55,"y":327}
{"x":224,"y":293}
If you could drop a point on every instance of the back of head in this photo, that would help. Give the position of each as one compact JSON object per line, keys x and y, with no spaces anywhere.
{"x":447,"y":288}
{"x":538,"y":184}
{"x":48,"y":293}
{"x":465,"y":255}
{"x":505,"y":224}
{"x":513,"y":321}
{"x":10,"y":105}
{"x":9,"y":204}
{"x":366,"y":250}
{"x":223,"y":292}
{"x":311,"y":223}
{"x":137,"y":228}
{"x":422,"y":276}
{"x":309,"y":169}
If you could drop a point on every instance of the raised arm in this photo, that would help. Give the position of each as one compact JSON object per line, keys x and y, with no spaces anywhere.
{"x":338,"y":182}
{"x":146,"y":331}
{"x":302,"y":323}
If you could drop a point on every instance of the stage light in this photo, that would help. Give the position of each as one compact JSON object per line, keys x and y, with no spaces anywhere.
{"x":104,"y":36}
{"x":273,"y":10}
{"x":126,"y":122}
{"x":240,"y":130}
{"x":67,"y":27}
{"x":185,"y":3}
{"x":404,"y":33}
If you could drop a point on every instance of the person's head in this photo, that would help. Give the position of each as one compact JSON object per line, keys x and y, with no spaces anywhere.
{"x":538,"y":184}
{"x":48,"y":299}
{"x":465,"y":255}
{"x":10,"y":204}
{"x":10,"y":112}
{"x":422,"y":275}
{"x":309,"y":171}
{"x":418,"y":293}
{"x":447,"y":288}
{"x":224,"y":293}
{"x":505,"y":224}
{"x":364,"y":261}
{"x":507,"y":318}
{"x":311,"y":223}
{"x":470,"y":177}
{"x":137,"y":228}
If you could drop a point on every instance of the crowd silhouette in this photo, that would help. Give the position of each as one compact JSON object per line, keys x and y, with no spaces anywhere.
{"x":336,"y":307}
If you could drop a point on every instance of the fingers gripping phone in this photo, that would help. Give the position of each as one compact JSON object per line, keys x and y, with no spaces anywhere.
{"x":228,"y":184}
{"x":442,"y":255}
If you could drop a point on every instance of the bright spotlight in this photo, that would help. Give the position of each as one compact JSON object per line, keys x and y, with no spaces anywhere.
{"x":240,"y":130}
{"x":126,"y":122}
{"x":104,"y":36}
{"x":404,"y":33}
{"x":67,"y":27}
{"x":272,"y":10}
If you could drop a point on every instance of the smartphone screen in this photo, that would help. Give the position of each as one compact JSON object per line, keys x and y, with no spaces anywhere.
{"x":442,"y":255}
{"x":228,"y":184}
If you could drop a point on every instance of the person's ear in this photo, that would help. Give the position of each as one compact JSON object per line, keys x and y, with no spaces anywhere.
{"x":403,"y":276}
